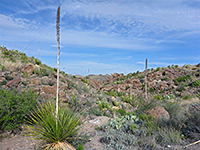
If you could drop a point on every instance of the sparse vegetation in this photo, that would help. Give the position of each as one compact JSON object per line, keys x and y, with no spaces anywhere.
{"x":118,"y":97}
{"x":166,"y":136}
{"x":178,"y":80}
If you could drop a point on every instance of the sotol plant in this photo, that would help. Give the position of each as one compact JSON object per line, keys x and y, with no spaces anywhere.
{"x":58,"y":55}
{"x":49,"y":123}
{"x":42,"y":126}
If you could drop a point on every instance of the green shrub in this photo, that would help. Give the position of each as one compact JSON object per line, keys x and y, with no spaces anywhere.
{"x":192,"y":128}
{"x":14,"y":108}
{"x":180,"y":88}
{"x":172,"y":108}
{"x":25,"y":74}
{"x":104,"y":104}
{"x":120,"y":132}
{"x":177,"y":115}
{"x":149,"y":121}
{"x":3,"y":68}
{"x":158,"y":69}
{"x":36,"y":71}
{"x":186,"y":97}
{"x":45,"y":72}
{"x":80,"y":147}
{"x":151,"y":90}
{"x":42,"y":126}
{"x":157,"y":97}
{"x":111,"y":93}
{"x":118,"y":140}
{"x":168,"y":136}
{"x":122,"y":78}
{"x":70,"y":84}
{"x":144,"y":105}
{"x":127,"y":87}
{"x":9,"y":54}
{"x":24,"y":58}
{"x":122,"y":112}
{"x":8,"y":78}
{"x":85,"y":81}
{"x":128,"y":99}
{"x":164,"y":79}
{"x":74,"y":103}
{"x":142,"y":77}
{"x":107,"y":83}
{"x":95,"y":111}
{"x":182,"y":79}
{"x":119,"y":122}
{"x":195,"y":83}
{"x":6,"y":53}
{"x":37,"y":61}
{"x":115,"y":103}
{"x":118,"y":82}
{"x":4,"y":82}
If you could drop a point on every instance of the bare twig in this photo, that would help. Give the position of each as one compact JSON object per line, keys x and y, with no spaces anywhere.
{"x":192,"y":144}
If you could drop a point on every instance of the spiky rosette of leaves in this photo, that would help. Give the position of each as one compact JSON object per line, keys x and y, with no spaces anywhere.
{"x":42,"y":126}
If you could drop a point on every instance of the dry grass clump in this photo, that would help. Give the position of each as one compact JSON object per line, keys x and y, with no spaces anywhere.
{"x":11,"y":66}
{"x":0,"y":52}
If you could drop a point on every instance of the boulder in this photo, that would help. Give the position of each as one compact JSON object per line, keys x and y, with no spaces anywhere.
{"x":162,"y":85}
{"x":13,"y":83}
{"x":159,"y":113}
{"x":29,"y":69}
{"x":36,"y":81}
{"x":115,"y":75}
{"x":136,"y":83}
{"x":49,"y":89}
{"x":108,"y":88}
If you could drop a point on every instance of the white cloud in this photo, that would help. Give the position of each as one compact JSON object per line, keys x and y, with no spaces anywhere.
{"x":138,"y":25}
{"x":133,"y":25}
{"x":140,"y":15}
{"x":11,"y":23}
{"x":26,"y":31}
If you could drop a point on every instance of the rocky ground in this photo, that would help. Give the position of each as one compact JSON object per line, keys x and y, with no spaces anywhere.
{"x":99,"y":97}
{"x":21,"y":142}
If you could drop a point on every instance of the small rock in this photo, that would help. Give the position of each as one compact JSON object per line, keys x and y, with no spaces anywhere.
{"x":159,"y":113}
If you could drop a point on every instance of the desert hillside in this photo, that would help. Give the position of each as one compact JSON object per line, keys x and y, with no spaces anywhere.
{"x":114,"y":109}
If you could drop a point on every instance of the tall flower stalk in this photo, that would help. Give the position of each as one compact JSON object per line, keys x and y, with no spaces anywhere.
{"x":58,"y":56}
{"x":146,"y":94}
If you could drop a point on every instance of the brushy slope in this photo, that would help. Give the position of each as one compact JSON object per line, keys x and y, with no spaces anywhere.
{"x":118,"y":96}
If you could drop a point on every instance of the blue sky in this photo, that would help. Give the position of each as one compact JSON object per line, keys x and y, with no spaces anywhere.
{"x":104,"y":36}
